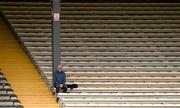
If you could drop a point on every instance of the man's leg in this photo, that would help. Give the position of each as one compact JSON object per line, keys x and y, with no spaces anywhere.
{"x":57,"y":88}
{"x":64,"y":88}
{"x":57,"y":91}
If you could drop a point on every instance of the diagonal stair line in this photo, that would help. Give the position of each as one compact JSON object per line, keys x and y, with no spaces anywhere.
{"x":21,"y":74}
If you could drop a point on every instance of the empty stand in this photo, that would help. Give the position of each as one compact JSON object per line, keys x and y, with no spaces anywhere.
{"x":122,"y":55}
{"x":21,"y":74}
{"x":8,"y":98}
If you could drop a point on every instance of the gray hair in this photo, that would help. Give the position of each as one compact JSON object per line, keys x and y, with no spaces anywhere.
{"x":60,"y":66}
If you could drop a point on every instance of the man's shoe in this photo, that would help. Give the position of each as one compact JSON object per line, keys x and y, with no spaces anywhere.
{"x":57,"y":99}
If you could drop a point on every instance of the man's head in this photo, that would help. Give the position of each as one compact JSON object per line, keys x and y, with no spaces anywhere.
{"x":60,"y":68}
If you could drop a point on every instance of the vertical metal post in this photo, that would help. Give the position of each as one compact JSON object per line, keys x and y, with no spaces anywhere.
{"x":55,"y":37}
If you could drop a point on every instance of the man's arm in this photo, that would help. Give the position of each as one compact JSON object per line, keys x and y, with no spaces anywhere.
{"x":64,"y":78}
{"x":55,"y":79}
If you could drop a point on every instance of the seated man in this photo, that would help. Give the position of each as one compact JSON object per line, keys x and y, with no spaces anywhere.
{"x":60,"y":80}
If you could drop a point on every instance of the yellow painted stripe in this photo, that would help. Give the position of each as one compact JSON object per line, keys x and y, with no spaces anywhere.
{"x":21,"y":74}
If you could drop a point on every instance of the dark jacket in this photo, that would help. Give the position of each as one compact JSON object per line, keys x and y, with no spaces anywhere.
{"x":59,"y":78}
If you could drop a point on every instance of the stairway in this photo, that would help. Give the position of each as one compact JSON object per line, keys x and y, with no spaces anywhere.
{"x":21,"y":74}
{"x":122,"y":55}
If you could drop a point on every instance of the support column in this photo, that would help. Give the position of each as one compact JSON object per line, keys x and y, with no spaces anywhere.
{"x":56,"y":60}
